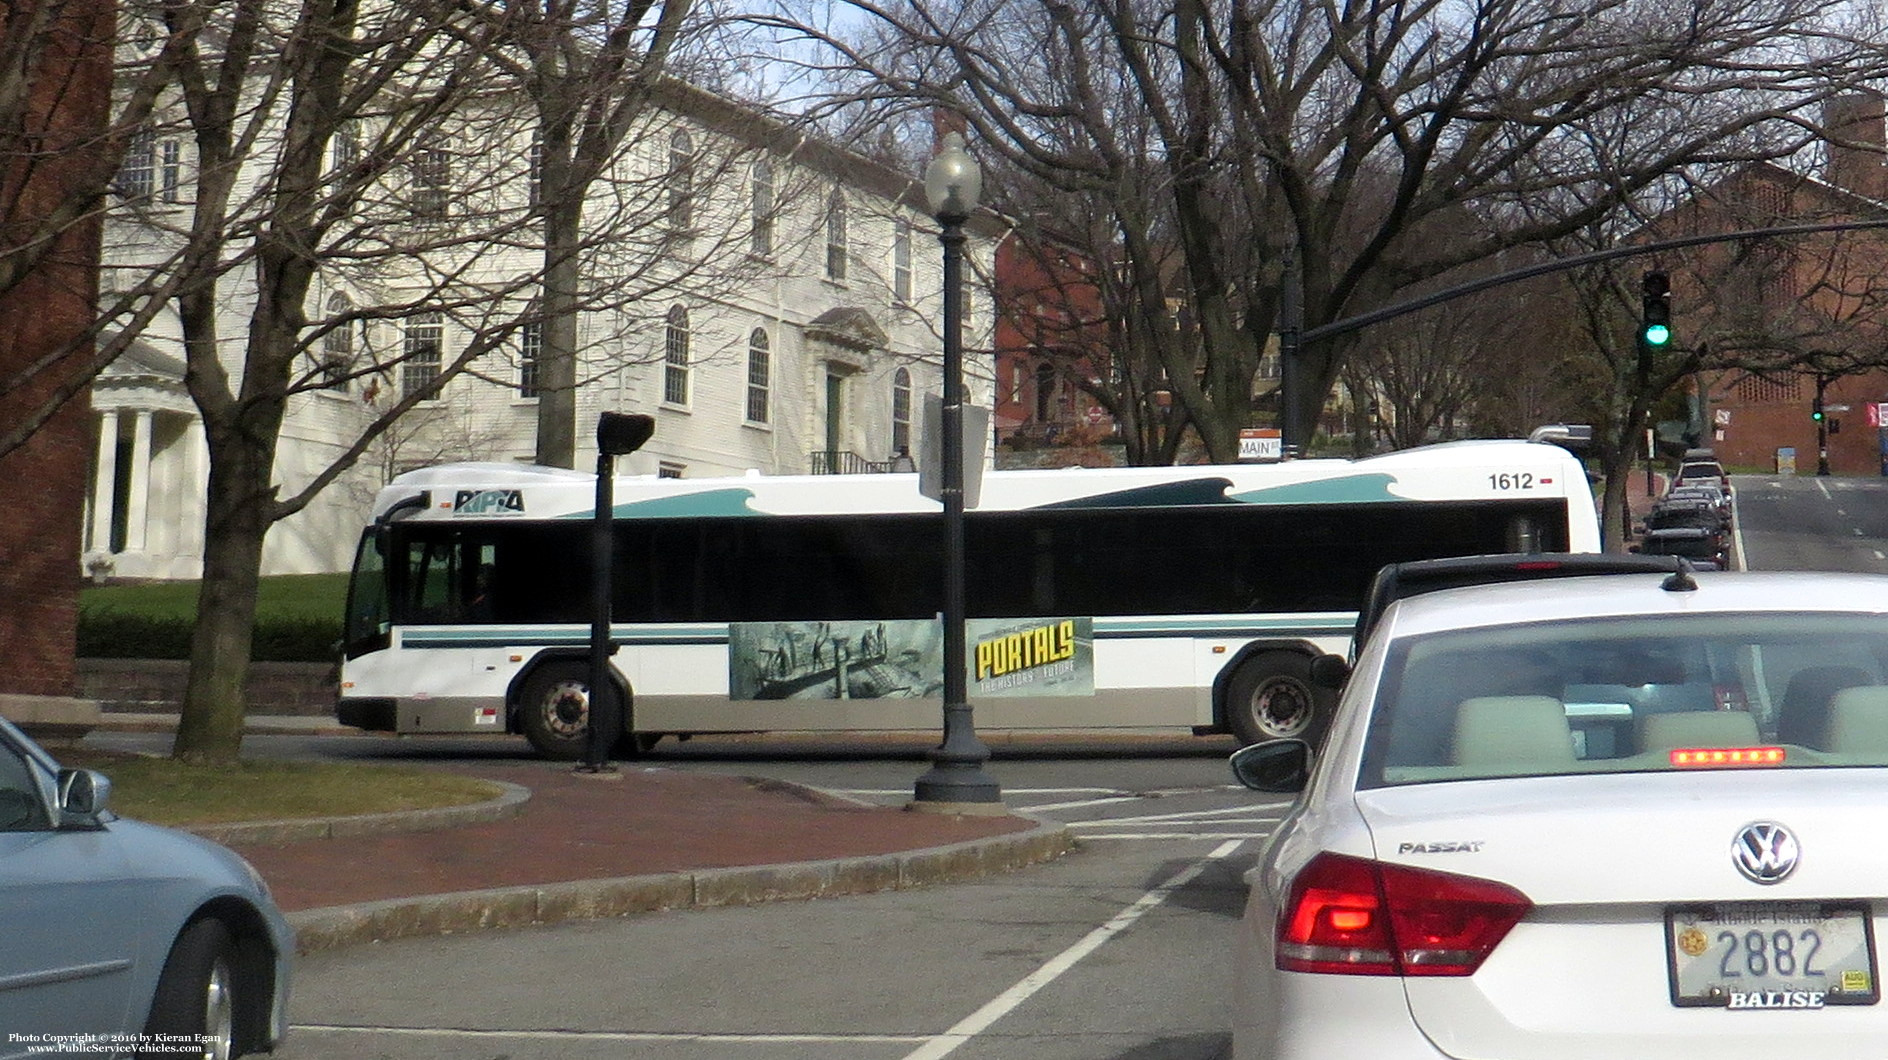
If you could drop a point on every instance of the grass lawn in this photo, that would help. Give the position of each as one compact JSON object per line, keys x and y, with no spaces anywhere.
{"x":165,"y":791}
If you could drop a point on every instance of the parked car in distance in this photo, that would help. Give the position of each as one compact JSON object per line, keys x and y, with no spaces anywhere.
{"x":1695,"y":506}
{"x":1708,"y":547}
{"x":1706,"y":471}
{"x":1697,"y":490}
{"x":123,"y":934}
{"x":1630,"y":815}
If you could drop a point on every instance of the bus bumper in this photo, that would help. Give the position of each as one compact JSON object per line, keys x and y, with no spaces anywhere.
{"x":423,"y":714}
{"x":377,"y":715}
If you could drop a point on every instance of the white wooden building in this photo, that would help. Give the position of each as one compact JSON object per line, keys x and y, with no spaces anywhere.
{"x":812,"y":354}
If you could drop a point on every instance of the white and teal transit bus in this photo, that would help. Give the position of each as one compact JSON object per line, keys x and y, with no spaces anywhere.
{"x":1188,"y":597}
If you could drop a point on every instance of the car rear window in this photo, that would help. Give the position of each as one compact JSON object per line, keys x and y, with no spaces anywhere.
{"x":1768,"y":690}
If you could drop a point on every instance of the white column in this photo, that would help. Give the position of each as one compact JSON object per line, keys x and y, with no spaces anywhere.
{"x":138,"y":505}
{"x":195,"y":489}
{"x":105,"y":481}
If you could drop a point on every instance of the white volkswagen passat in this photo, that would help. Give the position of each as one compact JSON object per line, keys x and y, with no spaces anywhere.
{"x":1627,"y":817}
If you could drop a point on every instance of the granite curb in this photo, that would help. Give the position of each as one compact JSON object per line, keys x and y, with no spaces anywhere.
{"x":509,"y":803}
{"x":335,"y":927}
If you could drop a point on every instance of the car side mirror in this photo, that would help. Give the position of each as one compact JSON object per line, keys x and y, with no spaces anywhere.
{"x":1330,"y":671}
{"x":1276,"y":766}
{"x":84,"y":796}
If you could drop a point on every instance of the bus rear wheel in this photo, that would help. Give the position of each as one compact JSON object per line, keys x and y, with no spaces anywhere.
{"x":554,"y":710}
{"x":1271,"y":697}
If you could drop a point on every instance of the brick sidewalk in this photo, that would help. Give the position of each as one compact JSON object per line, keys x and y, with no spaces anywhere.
{"x":650,"y":821}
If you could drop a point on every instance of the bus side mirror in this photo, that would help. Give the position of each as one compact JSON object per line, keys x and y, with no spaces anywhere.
{"x":1330,"y":671}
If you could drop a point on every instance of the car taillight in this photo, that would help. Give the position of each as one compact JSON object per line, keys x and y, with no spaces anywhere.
{"x":1353,"y":916}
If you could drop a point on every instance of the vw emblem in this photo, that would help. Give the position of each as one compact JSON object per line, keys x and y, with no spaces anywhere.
{"x":1765,"y":852}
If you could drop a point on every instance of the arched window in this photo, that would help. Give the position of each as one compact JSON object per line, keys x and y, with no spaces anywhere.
{"x":761,"y":190}
{"x":759,"y":375}
{"x":901,"y":412}
{"x":337,"y":346}
{"x":675,"y":358}
{"x":681,"y":181}
{"x":836,"y":240}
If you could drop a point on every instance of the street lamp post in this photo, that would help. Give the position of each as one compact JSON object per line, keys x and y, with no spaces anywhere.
{"x":956,"y":782}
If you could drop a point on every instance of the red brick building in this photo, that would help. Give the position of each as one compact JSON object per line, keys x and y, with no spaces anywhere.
{"x":1806,"y":315}
{"x":1050,"y":338}
{"x":46,"y":152}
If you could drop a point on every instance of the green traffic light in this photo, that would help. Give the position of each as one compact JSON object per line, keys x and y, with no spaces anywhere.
{"x":1657,"y":334}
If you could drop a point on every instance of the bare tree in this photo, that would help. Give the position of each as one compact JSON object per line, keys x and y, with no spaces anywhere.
{"x":1228,"y":134}
{"x":588,"y":69}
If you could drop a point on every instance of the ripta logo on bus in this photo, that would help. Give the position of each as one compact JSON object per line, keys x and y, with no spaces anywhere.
{"x":488,"y":502}
{"x":1025,"y":649}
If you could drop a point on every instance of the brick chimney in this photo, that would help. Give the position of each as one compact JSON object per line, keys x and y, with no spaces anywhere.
{"x":945,"y":121}
{"x":1854,"y":127}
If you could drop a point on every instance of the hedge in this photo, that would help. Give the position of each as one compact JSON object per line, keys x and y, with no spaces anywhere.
{"x":110,"y":633}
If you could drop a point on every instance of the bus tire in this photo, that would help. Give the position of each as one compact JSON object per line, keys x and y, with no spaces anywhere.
{"x":196,"y":1000}
{"x":554,"y":709}
{"x":1271,"y":697}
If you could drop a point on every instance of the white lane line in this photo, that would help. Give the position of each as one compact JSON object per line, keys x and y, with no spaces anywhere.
{"x":1737,"y":534}
{"x":979,"y":1021}
{"x":1824,"y":487}
{"x":607,"y":1036}
{"x":1165,"y":836}
{"x":1040,"y":807}
{"x":1244,"y":813}
{"x":1007,"y":792}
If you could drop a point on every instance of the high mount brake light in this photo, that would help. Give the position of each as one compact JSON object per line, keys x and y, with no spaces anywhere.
{"x":1726,"y":757}
{"x":1353,"y":916}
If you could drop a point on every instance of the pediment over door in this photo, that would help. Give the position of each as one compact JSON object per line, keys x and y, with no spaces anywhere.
{"x":851,"y":333}
{"x":143,"y":376}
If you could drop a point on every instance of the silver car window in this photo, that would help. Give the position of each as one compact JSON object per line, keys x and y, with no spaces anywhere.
{"x":1785,"y":690}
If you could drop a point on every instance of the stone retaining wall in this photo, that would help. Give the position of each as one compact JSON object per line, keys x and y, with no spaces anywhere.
{"x":157,"y":686}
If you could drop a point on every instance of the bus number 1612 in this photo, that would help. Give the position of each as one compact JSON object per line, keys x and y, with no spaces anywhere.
{"x":1511,"y":480}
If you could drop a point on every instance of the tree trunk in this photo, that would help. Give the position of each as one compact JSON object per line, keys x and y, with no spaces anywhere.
{"x":240,"y":498}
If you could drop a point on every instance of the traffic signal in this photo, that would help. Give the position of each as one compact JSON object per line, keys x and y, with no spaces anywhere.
{"x":1655,"y":322}
{"x":1815,"y":409}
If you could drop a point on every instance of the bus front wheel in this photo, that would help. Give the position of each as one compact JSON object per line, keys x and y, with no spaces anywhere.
{"x":1271,"y":697}
{"x":554,"y":710}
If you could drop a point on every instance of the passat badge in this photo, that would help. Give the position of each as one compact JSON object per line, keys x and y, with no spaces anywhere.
{"x":1765,"y":852}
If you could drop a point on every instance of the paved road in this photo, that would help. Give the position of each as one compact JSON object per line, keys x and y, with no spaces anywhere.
{"x":1813,"y":523}
{"x":1119,"y":951}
